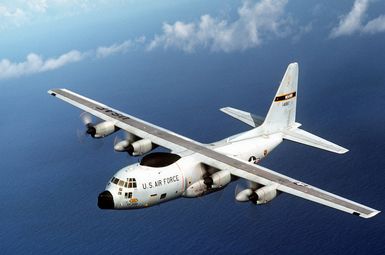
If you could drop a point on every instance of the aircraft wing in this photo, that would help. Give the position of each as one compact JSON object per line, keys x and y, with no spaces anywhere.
{"x":175,"y":142}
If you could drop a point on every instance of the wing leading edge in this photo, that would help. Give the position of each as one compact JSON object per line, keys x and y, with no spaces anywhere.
{"x":175,"y":142}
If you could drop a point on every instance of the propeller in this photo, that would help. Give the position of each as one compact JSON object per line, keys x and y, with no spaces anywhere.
{"x":238,"y":189}
{"x":121,"y":144}
{"x":243,"y":194}
{"x":82,"y":134}
{"x":86,"y":118}
{"x":87,"y":121}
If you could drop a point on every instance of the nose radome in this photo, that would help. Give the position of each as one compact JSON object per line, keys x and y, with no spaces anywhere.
{"x":105,"y":200}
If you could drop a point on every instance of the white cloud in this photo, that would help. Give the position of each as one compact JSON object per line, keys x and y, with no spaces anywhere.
{"x":256,"y":23}
{"x":375,"y":26}
{"x":36,"y":64}
{"x":302,"y":30}
{"x":38,"y":5}
{"x":102,"y":52}
{"x":353,"y":21}
{"x":19,"y":12}
{"x":11,"y":16}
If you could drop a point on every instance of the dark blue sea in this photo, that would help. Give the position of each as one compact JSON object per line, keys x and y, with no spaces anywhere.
{"x":50,"y":180}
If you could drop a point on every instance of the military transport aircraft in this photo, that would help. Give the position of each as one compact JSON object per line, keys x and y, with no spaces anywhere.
{"x":193,"y":169}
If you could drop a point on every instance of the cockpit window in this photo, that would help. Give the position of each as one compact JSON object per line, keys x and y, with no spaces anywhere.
{"x":131,"y":182}
{"x":159,"y":159}
{"x":115,"y":180}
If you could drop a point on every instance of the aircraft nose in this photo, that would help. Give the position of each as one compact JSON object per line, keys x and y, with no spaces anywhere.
{"x":105,"y":200}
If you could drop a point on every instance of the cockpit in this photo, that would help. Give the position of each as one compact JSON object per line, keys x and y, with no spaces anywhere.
{"x":131,"y":183}
{"x":159,"y":159}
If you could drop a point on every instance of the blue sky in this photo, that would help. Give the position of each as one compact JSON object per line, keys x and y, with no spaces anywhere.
{"x":41,"y":36}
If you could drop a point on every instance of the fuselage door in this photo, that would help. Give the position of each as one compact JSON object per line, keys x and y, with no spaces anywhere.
{"x":153,"y":199}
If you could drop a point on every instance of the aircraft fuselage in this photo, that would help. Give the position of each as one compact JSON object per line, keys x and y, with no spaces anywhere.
{"x":160,"y":177}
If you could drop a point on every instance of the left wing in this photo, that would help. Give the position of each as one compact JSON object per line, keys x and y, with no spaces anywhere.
{"x":175,"y":142}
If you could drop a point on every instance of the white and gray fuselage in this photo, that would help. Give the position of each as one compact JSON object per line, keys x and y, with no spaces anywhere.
{"x":160,"y":177}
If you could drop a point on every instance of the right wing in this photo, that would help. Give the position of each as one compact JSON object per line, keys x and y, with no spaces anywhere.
{"x":175,"y":142}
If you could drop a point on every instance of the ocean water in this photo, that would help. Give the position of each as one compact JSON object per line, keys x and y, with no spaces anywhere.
{"x":49,"y":180}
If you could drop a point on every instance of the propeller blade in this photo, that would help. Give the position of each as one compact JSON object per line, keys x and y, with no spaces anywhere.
{"x":238,"y":189}
{"x":253,"y":185}
{"x":86,"y":118}
{"x":81,"y":135}
{"x":117,"y":140}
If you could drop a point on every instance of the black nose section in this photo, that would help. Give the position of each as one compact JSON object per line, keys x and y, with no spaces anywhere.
{"x":105,"y":200}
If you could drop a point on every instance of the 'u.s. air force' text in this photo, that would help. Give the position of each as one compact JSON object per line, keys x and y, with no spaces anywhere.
{"x":161,"y":182}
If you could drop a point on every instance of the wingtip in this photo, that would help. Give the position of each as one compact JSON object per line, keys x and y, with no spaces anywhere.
{"x":342,"y":151}
{"x":370,"y":215}
{"x":51,"y":92}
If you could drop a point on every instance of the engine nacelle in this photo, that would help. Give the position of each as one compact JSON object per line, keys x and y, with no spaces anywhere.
{"x":215,"y":181}
{"x":196,"y":189}
{"x":266,"y":194}
{"x":102,"y":129}
{"x":218,"y":179}
{"x":140,"y":147}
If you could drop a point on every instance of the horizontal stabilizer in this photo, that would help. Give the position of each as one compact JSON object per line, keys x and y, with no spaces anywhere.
{"x":301,"y":136}
{"x":245,"y":117}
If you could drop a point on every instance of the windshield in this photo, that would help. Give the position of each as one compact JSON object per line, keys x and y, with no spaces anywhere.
{"x":130,"y":183}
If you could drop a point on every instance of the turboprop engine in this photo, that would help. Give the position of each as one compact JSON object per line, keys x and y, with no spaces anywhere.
{"x":133,"y":145}
{"x":216,"y":181}
{"x":140,"y":147}
{"x":102,"y":129}
{"x":99,"y":130}
{"x":259,"y":196}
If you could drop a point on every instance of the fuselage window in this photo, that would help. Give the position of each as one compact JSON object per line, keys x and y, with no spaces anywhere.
{"x":115,"y":181}
{"x":121,"y":183}
{"x":163,"y":196}
{"x":128,"y":195}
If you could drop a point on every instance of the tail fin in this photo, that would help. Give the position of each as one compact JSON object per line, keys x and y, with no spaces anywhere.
{"x":281,"y":114}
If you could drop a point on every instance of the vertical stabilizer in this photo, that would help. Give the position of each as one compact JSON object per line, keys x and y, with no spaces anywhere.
{"x":281,"y":114}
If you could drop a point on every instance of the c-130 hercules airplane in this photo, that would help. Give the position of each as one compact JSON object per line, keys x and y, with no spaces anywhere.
{"x":193,"y":169}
